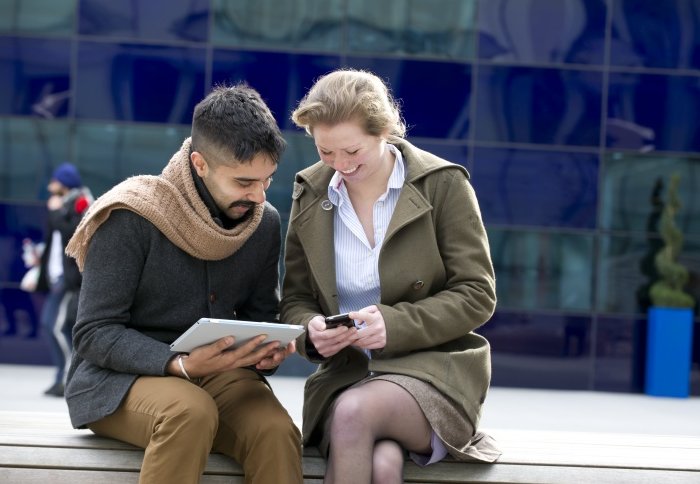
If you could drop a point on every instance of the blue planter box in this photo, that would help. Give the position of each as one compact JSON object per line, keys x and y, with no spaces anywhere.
{"x":669,"y":339}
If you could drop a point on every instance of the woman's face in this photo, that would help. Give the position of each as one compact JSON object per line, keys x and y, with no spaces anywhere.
{"x":348,"y":149}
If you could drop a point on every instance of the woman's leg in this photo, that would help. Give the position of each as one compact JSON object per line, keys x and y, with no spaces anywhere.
{"x":370,"y":426}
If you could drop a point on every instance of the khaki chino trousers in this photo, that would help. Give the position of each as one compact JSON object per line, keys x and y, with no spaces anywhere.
{"x":178,"y":423}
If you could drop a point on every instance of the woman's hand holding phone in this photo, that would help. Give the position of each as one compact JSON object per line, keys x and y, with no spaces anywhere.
{"x":329,"y":340}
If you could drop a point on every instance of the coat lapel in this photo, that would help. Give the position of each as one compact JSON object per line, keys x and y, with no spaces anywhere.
{"x":314,"y":227}
{"x":410,"y":206}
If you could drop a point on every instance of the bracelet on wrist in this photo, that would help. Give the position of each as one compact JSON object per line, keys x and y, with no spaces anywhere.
{"x":182,"y":366}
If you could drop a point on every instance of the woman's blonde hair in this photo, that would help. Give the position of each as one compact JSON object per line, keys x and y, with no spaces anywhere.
{"x":347,"y":95}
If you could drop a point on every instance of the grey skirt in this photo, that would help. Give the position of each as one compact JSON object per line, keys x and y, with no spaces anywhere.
{"x":453,"y":427}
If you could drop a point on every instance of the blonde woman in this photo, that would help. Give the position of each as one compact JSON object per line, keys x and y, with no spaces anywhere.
{"x":393,"y":236}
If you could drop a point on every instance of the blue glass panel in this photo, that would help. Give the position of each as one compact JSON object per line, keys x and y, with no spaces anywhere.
{"x":19,"y":310}
{"x":139,"y":82}
{"x":30,"y":149}
{"x":620,"y":354}
{"x":546,"y":31}
{"x":436,"y":28}
{"x":271,"y":24}
{"x":281,"y":79}
{"x":34,"y":75}
{"x":634,"y":185}
{"x":541,"y":188}
{"x":109,"y":153}
{"x":300,"y":153}
{"x":435,"y":96}
{"x":42,"y":17}
{"x":151,"y":20}
{"x":18,"y":222}
{"x":624,"y":274}
{"x":536,"y":350}
{"x":647,"y":111}
{"x":22,"y":340}
{"x":626,"y":271}
{"x":542,"y":270}
{"x":656,"y":34}
{"x":20,"y":327}
{"x":456,"y":153}
{"x":548,"y":106}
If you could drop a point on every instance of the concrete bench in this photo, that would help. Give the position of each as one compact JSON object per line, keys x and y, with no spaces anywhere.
{"x":42,"y":447}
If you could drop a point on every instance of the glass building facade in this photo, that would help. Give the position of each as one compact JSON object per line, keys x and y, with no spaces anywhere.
{"x":569,"y":114}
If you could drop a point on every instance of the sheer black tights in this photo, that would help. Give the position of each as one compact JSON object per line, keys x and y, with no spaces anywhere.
{"x":370,"y":427}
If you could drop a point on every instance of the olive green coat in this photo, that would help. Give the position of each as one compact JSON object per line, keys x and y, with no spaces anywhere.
{"x":437,"y":285}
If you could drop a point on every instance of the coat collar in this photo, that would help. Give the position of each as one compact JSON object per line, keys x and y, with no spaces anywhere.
{"x":313,"y":223}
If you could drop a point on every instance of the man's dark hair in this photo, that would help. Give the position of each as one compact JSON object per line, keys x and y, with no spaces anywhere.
{"x":234,"y":120}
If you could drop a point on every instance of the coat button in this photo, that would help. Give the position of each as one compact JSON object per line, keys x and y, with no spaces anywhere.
{"x":418,"y":285}
{"x":212,"y":297}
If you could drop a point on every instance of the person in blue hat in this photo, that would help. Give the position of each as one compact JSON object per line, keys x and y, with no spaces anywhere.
{"x":59,"y":275}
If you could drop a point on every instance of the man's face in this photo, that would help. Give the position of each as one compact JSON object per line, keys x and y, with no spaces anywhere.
{"x":55,"y":187}
{"x":236,"y":188}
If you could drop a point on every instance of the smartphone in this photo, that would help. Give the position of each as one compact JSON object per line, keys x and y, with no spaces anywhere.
{"x":338,"y":320}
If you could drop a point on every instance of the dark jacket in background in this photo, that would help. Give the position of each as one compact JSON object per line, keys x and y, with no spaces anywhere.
{"x":65,"y":220}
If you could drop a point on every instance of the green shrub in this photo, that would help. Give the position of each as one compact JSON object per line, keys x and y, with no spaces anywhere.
{"x":668,"y":290}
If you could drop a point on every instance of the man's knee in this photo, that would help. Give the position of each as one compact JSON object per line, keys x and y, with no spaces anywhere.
{"x":195,"y":412}
{"x":277,"y":425}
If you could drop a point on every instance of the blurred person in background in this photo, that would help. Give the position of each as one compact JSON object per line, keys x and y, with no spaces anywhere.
{"x":58,"y":274}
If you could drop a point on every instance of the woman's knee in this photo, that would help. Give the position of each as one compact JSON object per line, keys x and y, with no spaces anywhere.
{"x":387,"y":462}
{"x":349,"y":411}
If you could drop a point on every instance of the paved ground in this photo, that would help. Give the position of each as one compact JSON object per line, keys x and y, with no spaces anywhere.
{"x":506,"y":408}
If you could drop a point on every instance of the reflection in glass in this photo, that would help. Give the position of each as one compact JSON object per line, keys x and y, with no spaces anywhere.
{"x":625,"y":272}
{"x":300,"y":153}
{"x":548,"y":106}
{"x":310,"y":24}
{"x":30,"y":149}
{"x":632,"y":183}
{"x":656,"y":34}
{"x":293,"y":75}
{"x":441,"y":110}
{"x":510,"y":184}
{"x":35,"y":76}
{"x":153,"y":19}
{"x":436,"y":28}
{"x":620,"y":350}
{"x":550,"y":31}
{"x":109,"y":153}
{"x":129,"y":82}
{"x":542,"y":270}
{"x":43,"y":17}
{"x":650,"y":111}
{"x":539,"y":350}
{"x":455,"y":152}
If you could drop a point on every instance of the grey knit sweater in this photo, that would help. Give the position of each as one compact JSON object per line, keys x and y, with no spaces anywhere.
{"x":140,"y":292}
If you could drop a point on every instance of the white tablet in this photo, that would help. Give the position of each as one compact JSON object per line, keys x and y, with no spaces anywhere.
{"x":208,"y":330}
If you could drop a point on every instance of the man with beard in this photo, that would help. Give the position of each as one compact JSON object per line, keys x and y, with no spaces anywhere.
{"x":157,"y":254}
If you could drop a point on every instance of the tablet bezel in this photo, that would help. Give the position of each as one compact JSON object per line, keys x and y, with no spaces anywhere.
{"x":209,"y":330}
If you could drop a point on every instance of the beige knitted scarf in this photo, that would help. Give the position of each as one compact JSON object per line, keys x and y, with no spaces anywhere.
{"x":171,"y":202}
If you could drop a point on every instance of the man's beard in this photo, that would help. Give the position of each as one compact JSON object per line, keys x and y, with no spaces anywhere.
{"x":244,"y":203}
